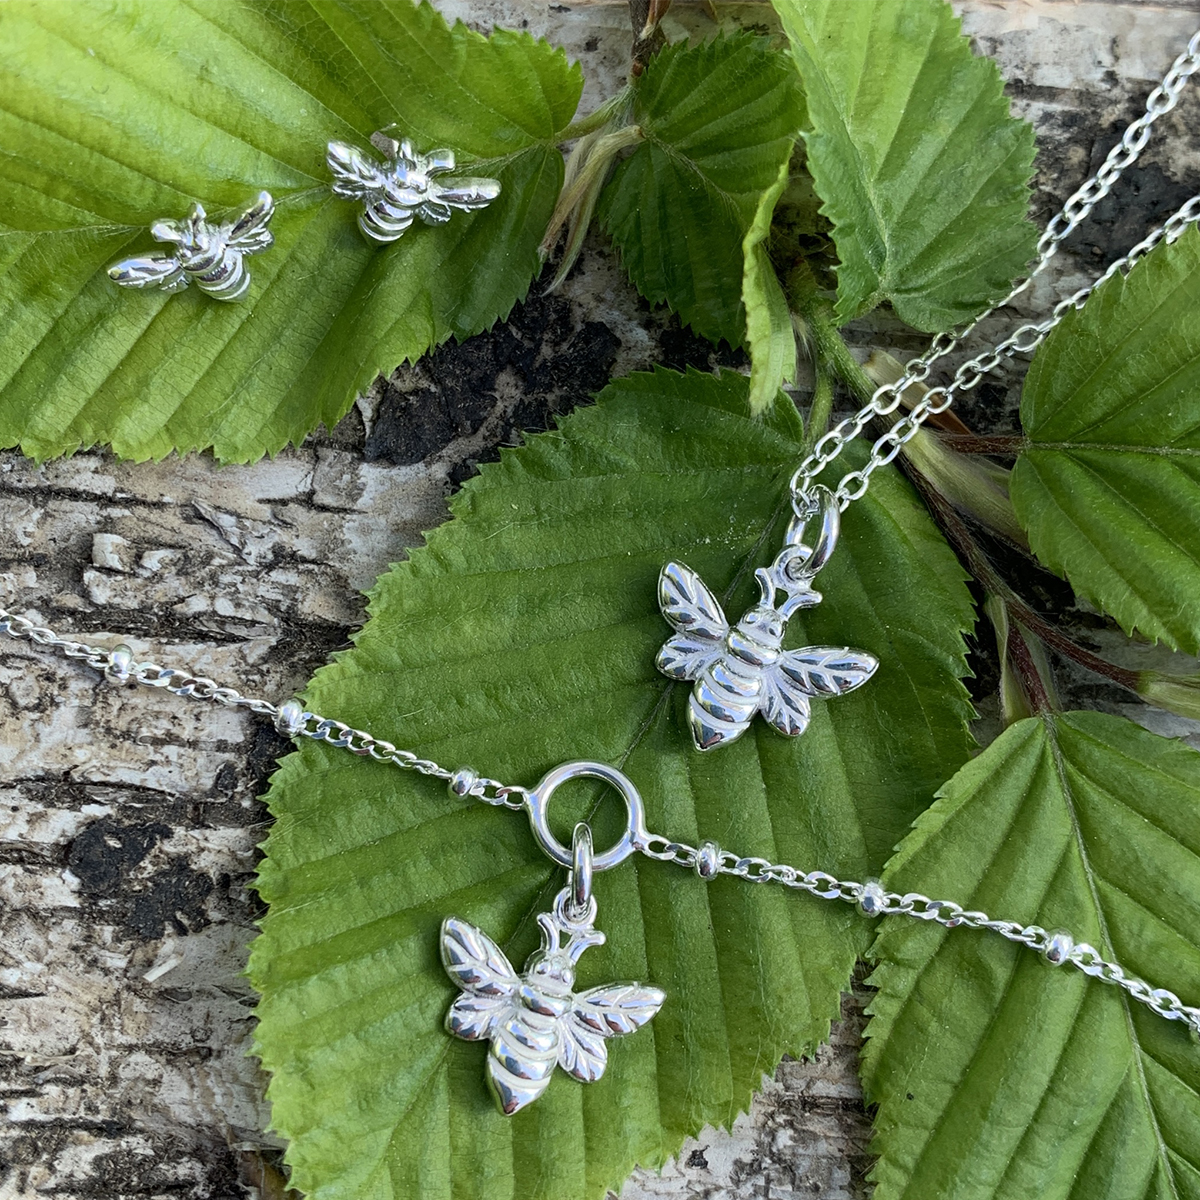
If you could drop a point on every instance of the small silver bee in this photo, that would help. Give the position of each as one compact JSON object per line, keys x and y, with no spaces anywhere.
{"x":536,"y":1021}
{"x":405,"y":187}
{"x":210,"y":255}
{"x":743,"y":670}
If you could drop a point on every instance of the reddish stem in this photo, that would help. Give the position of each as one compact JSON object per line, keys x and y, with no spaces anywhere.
{"x":986,"y":444}
{"x":959,"y":536}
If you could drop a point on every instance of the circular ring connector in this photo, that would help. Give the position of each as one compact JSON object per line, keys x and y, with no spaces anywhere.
{"x":538,"y":801}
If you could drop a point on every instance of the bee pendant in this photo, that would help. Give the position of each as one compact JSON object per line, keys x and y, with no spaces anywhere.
{"x":210,"y":255}
{"x":742,"y":670}
{"x":536,"y":1021}
{"x":405,"y":187}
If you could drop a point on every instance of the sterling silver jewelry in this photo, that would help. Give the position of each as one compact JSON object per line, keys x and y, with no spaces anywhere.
{"x":743,"y":670}
{"x":208,"y":254}
{"x":407,"y":186}
{"x":462,"y":945}
{"x":535,"y":1021}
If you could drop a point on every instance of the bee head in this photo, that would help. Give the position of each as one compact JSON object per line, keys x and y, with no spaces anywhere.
{"x":764,"y":620}
{"x":553,"y":966}
{"x":554,"y":972}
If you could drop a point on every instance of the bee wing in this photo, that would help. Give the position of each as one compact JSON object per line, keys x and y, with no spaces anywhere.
{"x":581,"y":1050}
{"x":467,"y":193}
{"x":434,"y":213}
{"x":689,"y":606}
{"x":685,"y":656}
{"x":439,"y":162}
{"x":474,"y":1017}
{"x":617,"y":1008}
{"x":698,"y":619}
{"x":355,"y":176}
{"x":249,"y":232}
{"x":600,"y":1013}
{"x":475,"y":962}
{"x":164,"y":230}
{"x":827,"y":670}
{"x":154,"y":270}
{"x":784,"y":703}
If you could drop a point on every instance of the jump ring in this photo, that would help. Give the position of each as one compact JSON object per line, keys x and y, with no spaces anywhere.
{"x":581,"y":868}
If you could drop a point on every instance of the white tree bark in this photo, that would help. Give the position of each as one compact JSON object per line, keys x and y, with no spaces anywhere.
{"x":129,"y":821}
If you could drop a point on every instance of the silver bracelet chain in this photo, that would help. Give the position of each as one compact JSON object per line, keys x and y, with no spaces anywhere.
{"x":707,"y":860}
{"x":888,"y":397}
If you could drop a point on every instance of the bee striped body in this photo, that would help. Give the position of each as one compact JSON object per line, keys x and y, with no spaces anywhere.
{"x":212,"y":256}
{"x":535,"y":1021}
{"x":525,"y":1045}
{"x":409,"y":185}
{"x":730,"y":689}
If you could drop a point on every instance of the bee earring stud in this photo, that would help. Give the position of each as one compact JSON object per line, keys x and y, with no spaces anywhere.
{"x":209,"y":254}
{"x":408,"y":185}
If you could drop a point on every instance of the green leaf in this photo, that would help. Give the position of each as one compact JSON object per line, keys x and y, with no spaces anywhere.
{"x":1107,"y":487}
{"x":720,"y":120}
{"x":995,"y":1074}
{"x":112,"y":116}
{"x":769,"y":332}
{"x":522,"y":636}
{"x":924,"y":174}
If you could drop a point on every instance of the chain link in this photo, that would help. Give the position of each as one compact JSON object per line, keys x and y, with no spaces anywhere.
{"x":22,"y":629}
{"x":888,"y":397}
{"x":1023,"y":340}
{"x":118,"y":666}
{"x":874,"y":901}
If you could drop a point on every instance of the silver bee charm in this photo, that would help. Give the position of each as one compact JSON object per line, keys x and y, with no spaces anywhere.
{"x":536,"y":1021}
{"x":210,"y":255}
{"x":407,"y":186}
{"x":742,"y":670}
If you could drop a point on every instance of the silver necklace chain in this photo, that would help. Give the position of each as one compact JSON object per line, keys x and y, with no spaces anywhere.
{"x":708,"y":860}
{"x":1026,"y":339}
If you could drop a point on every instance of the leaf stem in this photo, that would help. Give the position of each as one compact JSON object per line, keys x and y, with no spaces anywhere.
{"x":821,"y":407}
{"x":959,"y":536}
{"x":970,"y":443}
{"x":816,"y":316}
{"x":1025,"y":674}
{"x":608,"y":112}
{"x":1032,"y":670}
{"x":648,"y":39}
{"x":973,"y":485}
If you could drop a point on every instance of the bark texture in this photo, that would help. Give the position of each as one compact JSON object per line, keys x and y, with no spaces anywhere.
{"x":129,"y":821}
